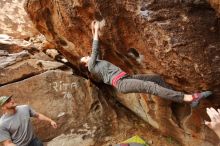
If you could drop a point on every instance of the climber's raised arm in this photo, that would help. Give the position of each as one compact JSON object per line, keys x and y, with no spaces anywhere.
{"x":95,"y":45}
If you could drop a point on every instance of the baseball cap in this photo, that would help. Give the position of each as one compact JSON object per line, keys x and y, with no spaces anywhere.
{"x":3,"y":99}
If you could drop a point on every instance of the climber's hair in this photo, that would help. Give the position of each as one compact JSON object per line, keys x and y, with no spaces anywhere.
{"x":84,"y":70}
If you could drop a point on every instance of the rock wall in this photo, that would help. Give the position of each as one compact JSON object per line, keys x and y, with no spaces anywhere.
{"x":51,"y":88}
{"x":216,"y":5}
{"x":85,"y":116}
{"x":14,"y":19}
{"x":176,"y":39}
{"x":165,"y":39}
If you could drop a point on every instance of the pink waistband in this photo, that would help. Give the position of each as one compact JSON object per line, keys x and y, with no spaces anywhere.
{"x":116,"y":78}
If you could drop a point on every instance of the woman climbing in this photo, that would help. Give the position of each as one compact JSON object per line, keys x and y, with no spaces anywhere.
{"x":110,"y":74}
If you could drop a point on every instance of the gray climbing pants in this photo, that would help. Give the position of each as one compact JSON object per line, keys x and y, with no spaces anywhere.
{"x":152,"y":84}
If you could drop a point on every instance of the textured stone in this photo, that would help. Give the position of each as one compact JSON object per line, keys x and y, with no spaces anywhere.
{"x":72,"y":140}
{"x":83,"y":115}
{"x":14,"y":19}
{"x":165,"y":42}
{"x":157,"y":113}
{"x":68,"y":99}
{"x":25,"y":69}
{"x":13,"y":58}
{"x":176,"y":39}
{"x":216,"y":5}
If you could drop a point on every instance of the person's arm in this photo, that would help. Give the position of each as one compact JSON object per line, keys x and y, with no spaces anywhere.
{"x":45,"y":118}
{"x":95,"y":46}
{"x":8,"y":143}
{"x":42,"y":117}
{"x":214,"y":124}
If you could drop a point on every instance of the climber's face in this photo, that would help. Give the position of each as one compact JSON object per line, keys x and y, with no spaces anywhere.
{"x":85,"y":60}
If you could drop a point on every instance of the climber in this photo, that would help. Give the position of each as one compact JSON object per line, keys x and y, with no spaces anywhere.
{"x":110,"y":74}
{"x":214,"y":124}
{"x":15,"y":125}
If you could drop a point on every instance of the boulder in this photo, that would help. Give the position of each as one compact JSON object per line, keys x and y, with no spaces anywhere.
{"x":83,"y":114}
{"x":68,"y":99}
{"x":177,"y":39}
{"x":10,"y":59}
{"x":216,"y":5}
{"x":158,"y":113}
{"x":51,"y":88}
{"x":20,"y":59}
{"x":14,"y":20}
{"x":25,"y":69}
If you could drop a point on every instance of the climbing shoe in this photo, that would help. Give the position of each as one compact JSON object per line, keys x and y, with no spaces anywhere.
{"x":198,"y":96}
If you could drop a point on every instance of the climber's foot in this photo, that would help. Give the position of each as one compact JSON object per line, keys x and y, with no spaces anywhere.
{"x":198,"y":96}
